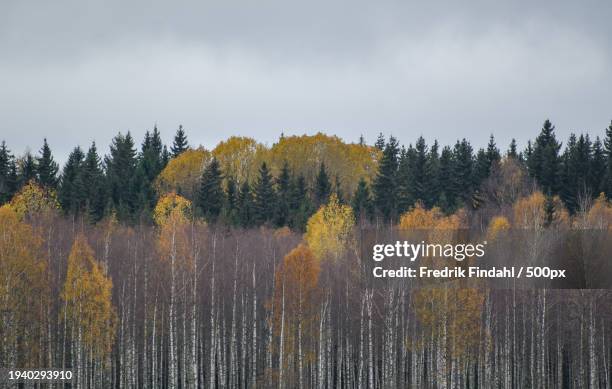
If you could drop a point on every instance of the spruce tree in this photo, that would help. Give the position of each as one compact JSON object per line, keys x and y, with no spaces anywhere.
{"x":385,"y":183}
{"x":8,"y":177}
{"x":544,"y":162}
{"x":448,"y":186}
{"x":597,"y":170}
{"x":301,"y":205}
{"x":464,"y":170}
{"x":380,"y":142}
{"x":95,"y":190}
{"x":180,"y":142}
{"x":512,"y":150}
{"x":419,"y":172}
{"x":433,"y":184}
{"x":493,"y":154}
{"x":405,"y":179}
{"x":245,"y":205}
{"x":264,"y":197}
{"x":27,"y":170}
{"x":362,"y":201}
{"x":230,"y":208}
{"x":481,"y":167}
{"x":210,"y":197}
{"x":123,"y":185}
{"x":322,"y":188}
{"x":607,"y":184}
{"x":46,"y":167}
{"x":283,"y":185}
{"x":150,"y":164}
{"x":71,"y":193}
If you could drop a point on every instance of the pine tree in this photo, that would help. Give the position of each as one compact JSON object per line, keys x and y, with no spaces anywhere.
{"x":180,"y":142}
{"x":283,"y":185}
{"x":210,"y":198}
{"x":362,"y":201}
{"x":71,"y":193}
{"x":264,"y":197}
{"x":322,"y":186}
{"x":8,"y":175}
{"x":46,"y":167}
{"x":95,"y":190}
{"x":544,"y":161}
{"x":123,"y":187}
{"x":493,"y":154}
{"x":481,"y":168}
{"x":607,"y":184}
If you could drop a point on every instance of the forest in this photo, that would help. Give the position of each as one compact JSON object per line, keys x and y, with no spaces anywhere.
{"x":247,"y":265}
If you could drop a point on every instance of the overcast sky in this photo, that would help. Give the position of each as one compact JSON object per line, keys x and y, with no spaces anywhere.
{"x":75,"y":72}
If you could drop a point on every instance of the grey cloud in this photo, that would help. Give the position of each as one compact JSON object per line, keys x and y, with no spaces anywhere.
{"x":75,"y":71}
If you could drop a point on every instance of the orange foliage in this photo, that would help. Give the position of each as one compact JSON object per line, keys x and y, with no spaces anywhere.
{"x":497,"y":226}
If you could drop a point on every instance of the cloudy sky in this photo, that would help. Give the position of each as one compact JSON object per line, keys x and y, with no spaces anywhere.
{"x":75,"y":72}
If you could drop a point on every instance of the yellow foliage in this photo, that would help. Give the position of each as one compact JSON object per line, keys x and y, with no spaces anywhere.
{"x":419,"y":218}
{"x":530,"y":212}
{"x":497,"y":226}
{"x":34,"y":200}
{"x":305,"y":153}
{"x":452,"y":314}
{"x":600,"y":215}
{"x":328,"y":231}
{"x":87,"y":294}
{"x":240,"y":157}
{"x":182,"y":173}
{"x":169,"y":204}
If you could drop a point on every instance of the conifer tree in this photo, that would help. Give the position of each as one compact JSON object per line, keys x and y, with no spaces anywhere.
{"x":8,"y":174}
{"x":46,"y":167}
{"x":597,"y":170}
{"x":362,"y":201}
{"x":150,"y":164}
{"x":607,"y":185}
{"x":322,"y":186}
{"x":301,"y":205}
{"x":94,"y":189}
{"x":283,"y":185}
{"x":244,"y":205}
{"x":481,"y":167}
{"x":464,"y":169}
{"x":385,"y":183}
{"x":121,"y":166}
{"x":71,"y":193}
{"x":380,"y":142}
{"x":512,"y":150}
{"x":264,"y":197}
{"x":405,"y":179}
{"x":493,"y":154}
{"x":210,"y":198}
{"x":180,"y":142}
{"x":419,"y":171}
{"x":433,"y":184}
{"x":544,"y":162}
{"x":448,"y":189}
{"x":27,"y":170}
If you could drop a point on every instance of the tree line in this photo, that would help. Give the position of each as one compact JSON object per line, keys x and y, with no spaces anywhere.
{"x":241,"y":183}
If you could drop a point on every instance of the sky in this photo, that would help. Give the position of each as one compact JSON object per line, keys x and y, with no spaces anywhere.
{"x":79,"y":71}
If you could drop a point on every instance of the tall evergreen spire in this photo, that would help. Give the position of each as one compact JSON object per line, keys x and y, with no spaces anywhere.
{"x":47,"y":168}
{"x":180,"y":143}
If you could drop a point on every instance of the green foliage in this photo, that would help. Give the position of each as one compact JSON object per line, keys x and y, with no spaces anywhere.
{"x":211,"y":198}
{"x":8,"y":174}
{"x":362,"y":202}
{"x":544,"y":162}
{"x":322,"y":188}
{"x":180,"y":143}
{"x":385,"y":183}
{"x":46,"y":167}
{"x":264,"y":197}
